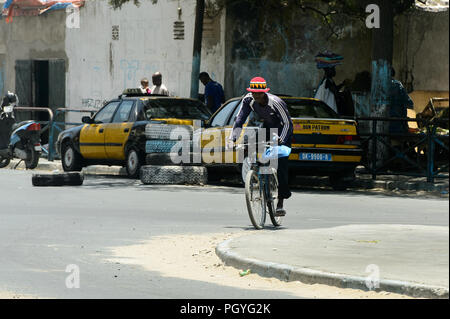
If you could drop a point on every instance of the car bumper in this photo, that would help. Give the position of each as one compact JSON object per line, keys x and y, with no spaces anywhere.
{"x":333,"y":160}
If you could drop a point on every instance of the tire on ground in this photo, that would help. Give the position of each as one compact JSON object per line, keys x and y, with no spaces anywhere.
{"x":154,"y":174}
{"x":168,"y":132}
{"x":73,"y":179}
{"x":69,"y":179}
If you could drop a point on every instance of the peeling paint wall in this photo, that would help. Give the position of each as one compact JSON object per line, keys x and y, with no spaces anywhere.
{"x":281,"y":47}
{"x":31,"y":38}
{"x":213,"y":48}
{"x":421,"y":50}
{"x":102,"y":65}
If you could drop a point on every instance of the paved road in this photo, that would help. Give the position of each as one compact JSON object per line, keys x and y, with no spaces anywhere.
{"x":42,"y":230}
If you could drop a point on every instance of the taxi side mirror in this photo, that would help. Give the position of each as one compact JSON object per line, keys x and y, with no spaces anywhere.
{"x":87,"y":120}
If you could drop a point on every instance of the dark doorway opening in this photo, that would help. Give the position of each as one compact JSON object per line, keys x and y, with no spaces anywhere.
{"x":40,"y":83}
{"x":41,"y":93}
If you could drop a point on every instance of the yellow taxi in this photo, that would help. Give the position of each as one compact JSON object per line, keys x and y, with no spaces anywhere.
{"x":115,"y":135}
{"x":323,"y":143}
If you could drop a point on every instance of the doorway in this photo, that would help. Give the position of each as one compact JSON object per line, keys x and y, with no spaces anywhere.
{"x":40,"y":83}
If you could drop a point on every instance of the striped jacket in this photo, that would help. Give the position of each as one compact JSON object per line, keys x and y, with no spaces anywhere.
{"x":275,"y":115}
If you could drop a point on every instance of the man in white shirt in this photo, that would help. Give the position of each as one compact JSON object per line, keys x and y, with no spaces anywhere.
{"x":158,"y":87}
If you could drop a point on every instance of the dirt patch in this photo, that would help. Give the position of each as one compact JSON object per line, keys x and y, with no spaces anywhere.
{"x":193,"y":257}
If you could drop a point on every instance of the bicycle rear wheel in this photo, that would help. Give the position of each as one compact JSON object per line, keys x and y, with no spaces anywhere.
{"x":272,"y":201}
{"x":256,"y":203}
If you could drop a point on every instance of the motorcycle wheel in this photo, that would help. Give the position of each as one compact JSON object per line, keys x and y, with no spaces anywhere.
{"x":4,"y":161}
{"x":33,"y":158}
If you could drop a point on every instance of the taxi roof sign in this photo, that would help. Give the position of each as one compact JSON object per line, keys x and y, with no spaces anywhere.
{"x":132,"y":91}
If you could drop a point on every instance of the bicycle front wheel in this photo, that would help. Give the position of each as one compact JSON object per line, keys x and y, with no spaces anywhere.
{"x":273,"y":200}
{"x":256,"y":203}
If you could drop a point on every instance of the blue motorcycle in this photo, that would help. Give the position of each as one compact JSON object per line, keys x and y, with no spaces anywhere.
{"x":18,"y":140}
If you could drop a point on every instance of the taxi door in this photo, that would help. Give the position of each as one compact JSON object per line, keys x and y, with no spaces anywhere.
{"x":92,"y":136}
{"x":117,"y":133}
{"x":213,"y":139}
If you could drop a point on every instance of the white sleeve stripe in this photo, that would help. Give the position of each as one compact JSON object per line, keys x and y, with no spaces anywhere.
{"x":283,"y":132}
{"x":286,"y":123}
{"x":285,"y":119}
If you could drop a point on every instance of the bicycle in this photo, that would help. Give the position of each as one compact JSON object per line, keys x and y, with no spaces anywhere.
{"x":261,"y":192}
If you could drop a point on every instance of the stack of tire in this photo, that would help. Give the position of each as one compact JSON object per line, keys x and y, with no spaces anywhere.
{"x":169,"y":156}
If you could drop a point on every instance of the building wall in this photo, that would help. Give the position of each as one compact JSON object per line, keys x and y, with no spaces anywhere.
{"x":101,"y":68}
{"x":30,"y":38}
{"x":281,"y":46}
{"x":213,"y":47}
{"x":421,"y":50}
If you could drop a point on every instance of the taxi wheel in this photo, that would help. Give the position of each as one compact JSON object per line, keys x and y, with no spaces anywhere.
{"x":133,"y":163}
{"x":71,"y":160}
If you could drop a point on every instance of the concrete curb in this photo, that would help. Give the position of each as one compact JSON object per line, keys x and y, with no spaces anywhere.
{"x":310,"y":276}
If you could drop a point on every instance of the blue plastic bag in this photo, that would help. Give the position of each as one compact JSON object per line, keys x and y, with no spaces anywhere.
{"x":276,"y":152}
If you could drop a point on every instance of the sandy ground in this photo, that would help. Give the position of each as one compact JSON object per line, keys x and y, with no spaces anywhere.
{"x":193,"y":257}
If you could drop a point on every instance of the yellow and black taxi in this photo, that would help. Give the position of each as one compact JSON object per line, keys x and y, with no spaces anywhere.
{"x":323,"y":143}
{"x":115,"y":135}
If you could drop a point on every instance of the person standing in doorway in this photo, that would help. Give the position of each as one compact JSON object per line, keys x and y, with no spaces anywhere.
{"x":214,"y":95}
{"x":158,"y":87}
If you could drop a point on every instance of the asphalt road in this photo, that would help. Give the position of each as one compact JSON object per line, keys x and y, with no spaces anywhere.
{"x":45,"y":229}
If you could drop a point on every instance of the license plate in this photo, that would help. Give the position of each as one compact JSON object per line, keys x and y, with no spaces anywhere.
{"x":8,"y":109}
{"x":37,"y":148}
{"x":314,"y":157}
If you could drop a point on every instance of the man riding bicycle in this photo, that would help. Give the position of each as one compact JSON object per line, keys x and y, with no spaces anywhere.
{"x":274,"y":112}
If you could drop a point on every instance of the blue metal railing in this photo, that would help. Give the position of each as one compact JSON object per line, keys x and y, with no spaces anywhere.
{"x":418,"y":150}
{"x":55,"y":126}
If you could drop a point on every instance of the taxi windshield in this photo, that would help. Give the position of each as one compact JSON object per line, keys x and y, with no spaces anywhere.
{"x":176,"y":108}
{"x":310,"y":109}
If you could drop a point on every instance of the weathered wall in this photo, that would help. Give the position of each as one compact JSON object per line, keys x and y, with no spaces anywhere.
{"x":102,"y":67}
{"x":98,"y":67}
{"x":281,"y":46}
{"x":28,"y":38}
{"x":213,"y":47}
{"x":421,"y":50}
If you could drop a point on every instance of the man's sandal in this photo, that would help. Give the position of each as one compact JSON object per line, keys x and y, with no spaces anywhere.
{"x":280,"y":212}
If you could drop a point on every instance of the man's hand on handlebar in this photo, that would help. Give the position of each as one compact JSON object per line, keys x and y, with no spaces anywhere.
{"x":230,"y":145}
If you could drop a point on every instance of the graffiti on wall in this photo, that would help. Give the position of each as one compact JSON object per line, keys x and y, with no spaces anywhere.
{"x":176,"y":74}
{"x":90,"y":103}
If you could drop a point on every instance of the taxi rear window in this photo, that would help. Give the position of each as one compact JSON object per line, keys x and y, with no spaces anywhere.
{"x":176,"y":108}
{"x":310,"y":109}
